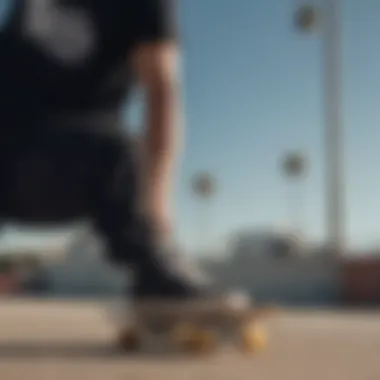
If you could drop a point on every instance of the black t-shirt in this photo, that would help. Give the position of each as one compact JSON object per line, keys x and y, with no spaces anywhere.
{"x":67,"y":61}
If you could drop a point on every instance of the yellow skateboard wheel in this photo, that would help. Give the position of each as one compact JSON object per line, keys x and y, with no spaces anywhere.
{"x":253,"y":338}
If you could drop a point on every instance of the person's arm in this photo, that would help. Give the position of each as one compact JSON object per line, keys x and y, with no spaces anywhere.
{"x":156,"y":65}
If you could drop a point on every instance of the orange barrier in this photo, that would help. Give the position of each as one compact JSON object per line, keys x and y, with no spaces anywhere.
{"x":8,"y":284}
{"x":361,"y":282}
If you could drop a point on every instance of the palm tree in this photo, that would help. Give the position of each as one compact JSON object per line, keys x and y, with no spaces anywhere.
{"x":294,"y":170}
{"x":307,"y":16}
{"x":204,"y":188}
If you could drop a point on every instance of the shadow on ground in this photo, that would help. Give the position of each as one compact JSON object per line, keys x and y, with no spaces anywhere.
{"x":78,"y":351}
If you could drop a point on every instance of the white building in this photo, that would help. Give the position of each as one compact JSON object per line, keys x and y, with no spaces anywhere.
{"x":271,"y":266}
{"x":264,"y":243}
{"x":84,"y":270}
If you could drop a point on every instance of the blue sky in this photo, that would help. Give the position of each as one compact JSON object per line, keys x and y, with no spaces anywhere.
{"x":252,"y":91}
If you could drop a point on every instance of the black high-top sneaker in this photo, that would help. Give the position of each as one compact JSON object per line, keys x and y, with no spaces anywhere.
{"x":166,"y":282}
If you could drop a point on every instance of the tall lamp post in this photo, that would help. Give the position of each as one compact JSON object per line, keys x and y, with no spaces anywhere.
{"x":306,"y":19}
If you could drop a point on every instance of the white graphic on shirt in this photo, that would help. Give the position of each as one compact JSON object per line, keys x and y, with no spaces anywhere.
{"x":66,"y":33}
{"x":6,"y":9}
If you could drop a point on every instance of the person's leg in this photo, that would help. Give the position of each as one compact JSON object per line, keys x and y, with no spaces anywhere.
{"x":130,"y":236}
{"x":162,"y":278}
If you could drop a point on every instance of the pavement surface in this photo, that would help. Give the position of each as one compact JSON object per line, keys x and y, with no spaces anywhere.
{"x":74,"y":340}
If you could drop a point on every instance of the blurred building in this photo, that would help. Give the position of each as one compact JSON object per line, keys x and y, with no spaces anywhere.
{"x":84,"y":271}
{"x":22,"y":271}
{"x":265,"y":243}
{"x":276,"y":267}
{"x":273,"y":267}
{"x":76,"y":268}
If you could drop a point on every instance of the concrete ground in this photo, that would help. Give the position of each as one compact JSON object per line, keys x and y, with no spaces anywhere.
{"x":73,"y":340}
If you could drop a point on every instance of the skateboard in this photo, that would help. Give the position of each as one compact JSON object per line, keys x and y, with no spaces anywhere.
{"x":195,"y":330}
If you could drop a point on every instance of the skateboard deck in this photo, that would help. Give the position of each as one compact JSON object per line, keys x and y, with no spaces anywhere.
{"x":195,"y":330}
